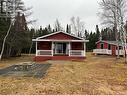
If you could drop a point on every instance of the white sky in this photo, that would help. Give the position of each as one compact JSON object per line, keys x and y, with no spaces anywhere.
{"x":47,"y":11}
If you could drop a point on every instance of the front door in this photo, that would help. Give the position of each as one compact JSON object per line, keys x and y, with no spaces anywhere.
{"x":113,"y":50}
{"x":60,"y":48}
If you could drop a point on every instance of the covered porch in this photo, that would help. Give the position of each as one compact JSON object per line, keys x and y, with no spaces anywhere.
{"x":60,"y":48}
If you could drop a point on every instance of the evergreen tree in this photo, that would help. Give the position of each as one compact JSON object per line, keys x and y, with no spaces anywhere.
{"x":49,"y":29}
{"x":18,"y":37}
{"x":97,"y":33}
{"x":86,"y":35}
{"x":92,"y":41}
{"x":104,"y":34}
{"x":67,"y":28}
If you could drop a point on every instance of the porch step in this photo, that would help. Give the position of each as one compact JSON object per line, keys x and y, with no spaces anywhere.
{"x":60,"y":57}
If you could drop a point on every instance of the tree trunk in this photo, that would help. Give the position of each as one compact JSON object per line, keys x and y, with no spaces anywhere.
{"x":4,"y":41}
{"x":10,"y":51}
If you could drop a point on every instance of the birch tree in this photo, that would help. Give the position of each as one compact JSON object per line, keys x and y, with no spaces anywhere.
{"x":113,"y":14}
{"x":77,"y":27}
{"x":10,"y":9}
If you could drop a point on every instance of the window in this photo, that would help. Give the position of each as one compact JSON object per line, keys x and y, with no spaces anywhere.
{"x":109,"y":47}
{"x":102,"y":45}
{"x":120,"y":47}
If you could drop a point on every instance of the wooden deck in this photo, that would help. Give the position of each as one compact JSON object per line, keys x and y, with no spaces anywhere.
{"x":62,"y":57}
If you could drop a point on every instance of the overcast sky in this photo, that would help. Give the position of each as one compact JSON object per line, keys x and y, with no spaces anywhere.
{"x":47,"y":11}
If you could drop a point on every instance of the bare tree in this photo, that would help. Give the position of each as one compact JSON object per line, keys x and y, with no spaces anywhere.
{"x":57,"y":26}
{"x":77,"y":26}
{"x":113,"y":14}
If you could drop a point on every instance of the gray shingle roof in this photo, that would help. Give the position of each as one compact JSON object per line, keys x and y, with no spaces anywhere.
{"x":113,"y":42}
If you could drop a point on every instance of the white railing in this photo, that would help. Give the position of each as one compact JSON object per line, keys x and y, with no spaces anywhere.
{"x":102,"y":51}
{"x":77,"y":53}
{"x":44,"y":52}
{"x":121,"y":52}
{"x":50,"y":53}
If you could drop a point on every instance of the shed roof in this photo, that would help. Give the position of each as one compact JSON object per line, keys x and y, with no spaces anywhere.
{"x":112,"y":42}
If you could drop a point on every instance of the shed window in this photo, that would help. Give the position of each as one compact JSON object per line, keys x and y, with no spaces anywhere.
{"x":109,"y":47}
{"x":120,"y":47}
{"x":102,"y":46}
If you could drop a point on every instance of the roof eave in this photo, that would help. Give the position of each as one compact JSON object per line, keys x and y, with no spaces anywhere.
{"x":38,"y":40}
{"x":59,"y":32}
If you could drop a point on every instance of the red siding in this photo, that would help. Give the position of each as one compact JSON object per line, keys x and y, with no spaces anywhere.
{"x":61,"y":36}
{"x":105,"y":45}
{"x":113,"y":50}
{"x":77,"y":46}
{"x":98,"y":46}
{"x":40,"y":58}
{"x":44,"y":45}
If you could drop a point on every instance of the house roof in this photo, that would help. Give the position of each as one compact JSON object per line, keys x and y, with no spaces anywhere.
{"x":53,"y":37}
{"x":111,"y":42}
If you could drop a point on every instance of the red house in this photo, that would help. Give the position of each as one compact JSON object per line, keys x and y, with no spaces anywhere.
{"x":109,"y":48}
{"x":60,"y":46}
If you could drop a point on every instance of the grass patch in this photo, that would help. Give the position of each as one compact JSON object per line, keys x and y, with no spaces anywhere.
{"x":97,"y":75}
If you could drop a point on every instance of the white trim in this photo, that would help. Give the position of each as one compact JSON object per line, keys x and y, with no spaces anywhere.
{"x":49,"y":40}
{"x":43,"y":55}
{"x":82,"y":53}
{"x":36,"y":49}
{"x":102,"y":51}
{"x":52,"y":48}
{"x":69,"y":47}
{"x":47,"y":35}
{"x":59,"y":32}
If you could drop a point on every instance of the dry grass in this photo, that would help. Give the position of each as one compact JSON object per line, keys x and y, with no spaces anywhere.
{"x":95,"y":76}
{"x":16,"y":60}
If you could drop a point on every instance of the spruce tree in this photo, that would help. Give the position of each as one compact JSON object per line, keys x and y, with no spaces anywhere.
{"x":97,"y":33}
{"x":67,"y":28}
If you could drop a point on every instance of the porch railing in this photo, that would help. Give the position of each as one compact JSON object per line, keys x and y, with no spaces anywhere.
{"x":49,"y":53}
{"x":44,"y":52}
{"x":106,"y":51}
{"x":102,"y":51}
{"x":77,"y":53}
{"x":121,"y":52}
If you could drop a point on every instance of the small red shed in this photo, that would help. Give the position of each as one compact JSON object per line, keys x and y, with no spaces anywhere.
{"x":60,"y":46}
{"x":109,"y":48}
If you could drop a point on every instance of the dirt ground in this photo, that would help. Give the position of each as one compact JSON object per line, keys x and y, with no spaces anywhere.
{"x":97,"y":75}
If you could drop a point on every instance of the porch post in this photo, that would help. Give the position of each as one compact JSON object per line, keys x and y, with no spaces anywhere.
{"x":69,"y":47}
{"x":36,"y":49}
{"x":84,"y":49}
{"x":52,"y":48}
